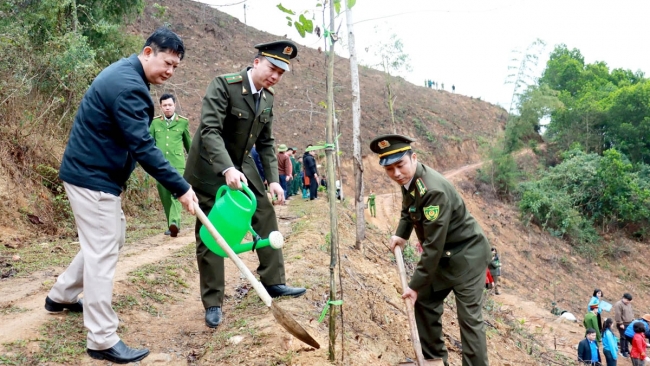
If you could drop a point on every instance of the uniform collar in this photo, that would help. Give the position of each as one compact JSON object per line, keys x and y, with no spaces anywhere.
{"x":171,"y":119}
{"x":419,"y":170}
{"x":249,"y":74}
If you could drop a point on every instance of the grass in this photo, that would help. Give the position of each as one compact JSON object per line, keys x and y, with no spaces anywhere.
{"x":38,"y":255}
{"x":62,"y":340}
{"x":10,"y":309}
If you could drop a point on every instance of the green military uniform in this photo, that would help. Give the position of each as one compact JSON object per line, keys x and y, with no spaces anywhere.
{"x":295,"y":183}
{"x":455,"y":255}
{"x":230,"y":126}
{"x":591,"y":321}
{"x":371,"y":205}
{"x":173,"y":139}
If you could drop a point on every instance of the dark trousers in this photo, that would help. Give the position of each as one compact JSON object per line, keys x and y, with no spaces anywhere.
{"x":638,"y":362}
{"x":313,"y":188}
{"x":624,"y":346}
{"x":609,"y":358}
{"x":211,"y":266}
{"x":428,"y":317}
{"x":283,"y":184}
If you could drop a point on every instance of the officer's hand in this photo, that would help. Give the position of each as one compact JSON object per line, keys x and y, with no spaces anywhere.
{"x":418,"y":247}
{"x":410,"y":294}
{"x":395,"y":241}
{"x":234,"y":178}
{"x":276,"y":191}
{"x":188,"y":199}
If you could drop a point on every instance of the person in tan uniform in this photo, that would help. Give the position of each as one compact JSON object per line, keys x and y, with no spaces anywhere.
{"x":237,"y":113}
{"x":455,"y":253}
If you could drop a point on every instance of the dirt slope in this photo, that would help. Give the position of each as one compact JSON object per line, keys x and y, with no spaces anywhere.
{"x":157,"y":298}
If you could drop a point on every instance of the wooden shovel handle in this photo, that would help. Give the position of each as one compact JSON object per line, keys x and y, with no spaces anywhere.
{"x":261,"y":291}
{"x":415,"y":337}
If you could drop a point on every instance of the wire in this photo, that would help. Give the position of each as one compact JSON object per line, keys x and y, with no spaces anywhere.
{"x":220,"y":6}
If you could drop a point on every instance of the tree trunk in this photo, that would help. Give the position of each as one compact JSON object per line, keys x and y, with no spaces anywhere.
{"x":356,"y":136}
{"x":331,"y":193}
{"x":390,"y":106}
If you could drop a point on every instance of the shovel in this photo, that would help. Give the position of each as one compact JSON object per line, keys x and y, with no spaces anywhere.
{"x":415,"y":337}
{"x":285,"y":320}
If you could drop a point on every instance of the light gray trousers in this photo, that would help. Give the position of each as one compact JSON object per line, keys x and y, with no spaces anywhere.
{"x":101,"y":226}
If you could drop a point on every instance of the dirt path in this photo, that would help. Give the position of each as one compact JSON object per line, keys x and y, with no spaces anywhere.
{"x":29,"y":293}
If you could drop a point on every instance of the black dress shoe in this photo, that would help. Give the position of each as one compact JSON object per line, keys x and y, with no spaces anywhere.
{"x":119,"y":353}
{"x":57,"y":307}
{"x":213,"y":316}
{"x":173,"y":230}
{"x":284,"y":290}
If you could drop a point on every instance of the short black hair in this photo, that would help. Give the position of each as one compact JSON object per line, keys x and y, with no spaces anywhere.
{"x":638,"y":327}
{"x":596,"y":291}
{"x":628,"y":296}
{"x":590,"y":331}
{"x":167,"y":96}
{"x":164,"y":40}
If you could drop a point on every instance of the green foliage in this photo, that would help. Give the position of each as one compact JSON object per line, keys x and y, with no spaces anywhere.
{"x":601,"y":108}
{"x":586,"y":189}
{"x":501,"y":171}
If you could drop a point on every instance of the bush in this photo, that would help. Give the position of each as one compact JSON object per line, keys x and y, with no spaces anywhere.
{"x":501,"y":172}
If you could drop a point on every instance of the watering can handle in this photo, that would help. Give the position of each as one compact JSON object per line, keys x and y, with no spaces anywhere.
{"x":249,"y":193}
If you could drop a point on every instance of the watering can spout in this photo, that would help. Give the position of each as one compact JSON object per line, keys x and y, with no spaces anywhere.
{"x":231,"y":215}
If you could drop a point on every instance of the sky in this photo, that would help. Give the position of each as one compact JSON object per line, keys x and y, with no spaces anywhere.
{"x":471,"y":43}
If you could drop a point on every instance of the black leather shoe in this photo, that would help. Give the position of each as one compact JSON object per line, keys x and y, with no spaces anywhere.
{"x":119,"y":353}
{"x":173,"y":230}
{"x":213,"y":316}
{"x":57,"y":307}
{"x":284,"y":290}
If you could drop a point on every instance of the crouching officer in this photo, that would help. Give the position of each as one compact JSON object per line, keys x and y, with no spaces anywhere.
{"x":237,"y":114}
{"x":455,"y":254}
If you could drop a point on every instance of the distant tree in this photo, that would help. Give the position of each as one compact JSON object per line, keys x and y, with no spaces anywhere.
{"x":392,"y":60}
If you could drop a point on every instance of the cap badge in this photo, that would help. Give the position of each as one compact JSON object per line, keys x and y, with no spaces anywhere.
{"x":288,"y":50}
{"x":383,"y":144}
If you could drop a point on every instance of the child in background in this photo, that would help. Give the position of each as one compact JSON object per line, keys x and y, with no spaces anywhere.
{"x":637,"y":354}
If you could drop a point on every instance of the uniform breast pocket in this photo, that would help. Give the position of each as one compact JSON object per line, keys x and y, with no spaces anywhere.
{"x":265,"y":117}
{"x":453,"y":264}
{"x":241,"y":125}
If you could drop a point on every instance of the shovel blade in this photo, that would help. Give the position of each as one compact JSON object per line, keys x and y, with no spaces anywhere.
{"x":436,"y":362}
{"x":292,"y":326}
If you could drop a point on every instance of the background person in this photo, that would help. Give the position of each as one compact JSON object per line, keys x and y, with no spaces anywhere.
{"x":610,"y":346}
{"x":588,"y":353}
{"x":623,"y":315}
{"x":172,"y":135}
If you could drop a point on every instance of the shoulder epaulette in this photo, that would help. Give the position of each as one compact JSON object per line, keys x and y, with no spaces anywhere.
{"x":422,"y":188}
{"x":270,"y":89}
{"x":233,"y":78}
{"x":179,"y":116}
{"x":158,"y":117}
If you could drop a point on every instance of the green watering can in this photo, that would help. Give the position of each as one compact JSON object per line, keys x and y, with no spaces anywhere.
{"x":231,"y":215}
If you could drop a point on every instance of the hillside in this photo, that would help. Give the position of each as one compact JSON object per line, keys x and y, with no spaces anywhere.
{"x":217,"y":43}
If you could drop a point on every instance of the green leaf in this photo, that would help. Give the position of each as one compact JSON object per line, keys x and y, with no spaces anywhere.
{"x":285,"y":10}
{"x":300,"y":29}
{"x":289,"y":23}
{"x":337,"y":6}
{"x":289,"y":18}
{"x":307,"y":24}
{"x":351,"y":3}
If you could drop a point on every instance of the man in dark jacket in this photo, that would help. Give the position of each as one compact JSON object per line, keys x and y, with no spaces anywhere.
{"x":311,"y":172}
{"x":109,"y":135}
{"x":588,"y":353}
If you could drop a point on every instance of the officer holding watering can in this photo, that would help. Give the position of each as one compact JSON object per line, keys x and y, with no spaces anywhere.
{"x":237,"y":113}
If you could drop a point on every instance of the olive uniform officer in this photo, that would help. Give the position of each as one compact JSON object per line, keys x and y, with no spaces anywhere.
{"x":237,"y":113}
{"x":455,"y":254}
{"x":172,"y":135}
{"x":371,"y":204}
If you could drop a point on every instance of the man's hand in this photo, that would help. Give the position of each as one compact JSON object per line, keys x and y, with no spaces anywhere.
{"x":418,"y":247}
{"x":276,"y":191}
{"x":234,"y":178}
{"x":395,"y":241}
{"x":622,"y":326}
{"x":410,"y":294}
{"x":287,"y":178}
{"x":188,"y":199}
